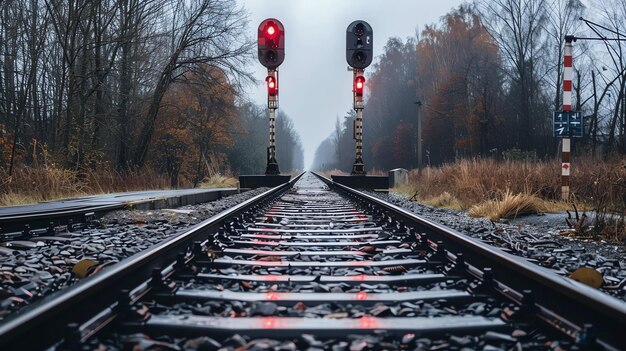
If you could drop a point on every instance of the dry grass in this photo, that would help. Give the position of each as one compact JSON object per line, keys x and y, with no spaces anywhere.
{"x":478,"y":180}
{"x":509,"y":206}
{"x":509,"y":189}
{"x":219,"y":181}
{"x":472,"y":182}
{"x":35,"y":184}
{"x":446,"y":200}
{"x":614,"y":229}
{"x":45,"y":183}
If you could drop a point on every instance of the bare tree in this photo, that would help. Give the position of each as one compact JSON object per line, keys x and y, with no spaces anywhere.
{"x":562,"y":20}
{"x":24,"y":34}
{"x":516,"y":25}
{"x":612,"y":14}
{"x":202,"y":32}
{"x":82,"y":81}
{"x":137,"y":20}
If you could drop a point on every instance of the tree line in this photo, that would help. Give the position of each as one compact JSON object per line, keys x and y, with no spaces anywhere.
{"x":487,"y":78}
{"x":128,"y":84}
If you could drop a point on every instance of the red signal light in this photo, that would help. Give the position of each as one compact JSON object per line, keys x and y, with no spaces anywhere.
{"x":270,"y":30}
{"x":272,"y":86}
{"x":271,"y":43}
{"x":359,"y":84}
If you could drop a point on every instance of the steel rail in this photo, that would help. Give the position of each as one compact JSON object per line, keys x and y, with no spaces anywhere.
{"x":41,"y":324}
{"x":577,"y":303}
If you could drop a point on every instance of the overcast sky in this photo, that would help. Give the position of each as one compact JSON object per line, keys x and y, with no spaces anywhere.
{"x":315,"y":85}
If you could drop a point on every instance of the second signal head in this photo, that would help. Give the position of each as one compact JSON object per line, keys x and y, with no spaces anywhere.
{"x":271,"y":42}
{"x":272,"y":85}
{"x":359,"y":84}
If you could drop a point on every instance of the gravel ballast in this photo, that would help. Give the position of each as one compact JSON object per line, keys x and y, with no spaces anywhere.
{"x":537,"y":239}
{"x":32,"y":269}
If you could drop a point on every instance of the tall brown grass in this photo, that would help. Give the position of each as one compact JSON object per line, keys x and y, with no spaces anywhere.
{"x":219,"y":181}
{"x":507,"y":189}
{"x":44,"y":183}
{"x":477,"y":180}
{"x":509,"y":205}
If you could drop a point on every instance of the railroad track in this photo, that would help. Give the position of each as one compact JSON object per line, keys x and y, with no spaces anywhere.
{"x":317,"y":265}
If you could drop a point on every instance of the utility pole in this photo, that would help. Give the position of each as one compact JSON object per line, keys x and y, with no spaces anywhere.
{"x":420,"y":164}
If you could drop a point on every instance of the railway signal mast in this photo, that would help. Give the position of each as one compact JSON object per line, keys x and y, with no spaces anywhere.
{"x":567,"y":108}
{"x":568,"y":123}
{"x":359,"y":54}
{"x":271,"y":42}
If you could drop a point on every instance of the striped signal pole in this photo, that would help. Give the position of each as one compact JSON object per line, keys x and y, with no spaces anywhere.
{"x":567,"y":106}
{"x":272,"y":106}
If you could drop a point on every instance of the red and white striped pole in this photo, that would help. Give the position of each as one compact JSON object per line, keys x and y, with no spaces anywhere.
{"x":567,"y":106}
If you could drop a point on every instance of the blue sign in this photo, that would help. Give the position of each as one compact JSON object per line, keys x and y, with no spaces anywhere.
{"x":568,"y":124}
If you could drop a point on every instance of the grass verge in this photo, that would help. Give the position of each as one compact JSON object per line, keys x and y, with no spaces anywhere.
{"x":219,"y":181}
{"x":507,"y":189}
{"x":45,"y":183}
{"x":509,"y":206}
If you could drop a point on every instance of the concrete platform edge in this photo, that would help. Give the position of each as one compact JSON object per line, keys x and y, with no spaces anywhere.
{"x":178,"y":201}
{"x":260,"y":180}
{"x":375,"y":183}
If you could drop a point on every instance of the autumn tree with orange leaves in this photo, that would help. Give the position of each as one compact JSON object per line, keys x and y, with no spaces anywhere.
{"x":196,"y":119}
{"x":462,"y":87}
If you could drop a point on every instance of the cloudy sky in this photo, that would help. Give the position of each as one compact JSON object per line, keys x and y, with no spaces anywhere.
{"x":315,"y":85}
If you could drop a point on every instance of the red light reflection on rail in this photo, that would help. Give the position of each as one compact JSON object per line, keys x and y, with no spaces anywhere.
{"x":272,"y":296}
{"x":368,"y":323}
{"x":269,"y":322}
{"x":361,"y":295}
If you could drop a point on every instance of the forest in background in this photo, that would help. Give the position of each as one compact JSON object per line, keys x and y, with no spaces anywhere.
{"x":489,"y":76}
{"x":127,"y":86}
